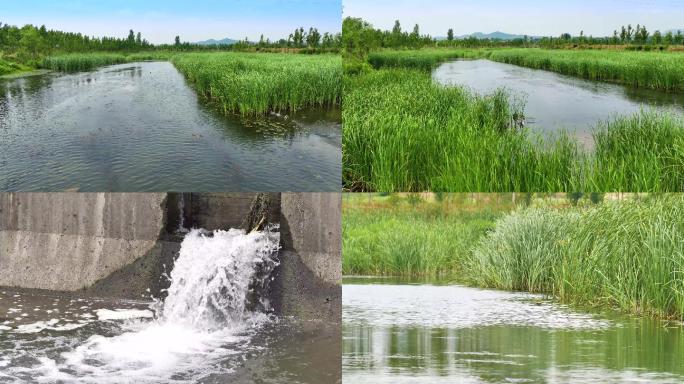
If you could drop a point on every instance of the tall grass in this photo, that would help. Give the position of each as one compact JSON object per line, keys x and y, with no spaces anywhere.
{"x":88,"y":61}
{"x":401,"y":237}
{"x":403,"y":132}
{"x":628,"y":255}
{"x":249,"y":83}
{"x":656,"y":70}
{"x":425,"y":59}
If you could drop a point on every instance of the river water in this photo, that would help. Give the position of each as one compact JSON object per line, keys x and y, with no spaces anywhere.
{"x":410,"y":332}
{"x":141,"y":127}
{"x":554,"y":101}
{"x":213,"y":327}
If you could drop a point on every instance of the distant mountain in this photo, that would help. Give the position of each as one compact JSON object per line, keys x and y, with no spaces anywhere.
{"x":494,"y":35}
{"x":225,"y":41}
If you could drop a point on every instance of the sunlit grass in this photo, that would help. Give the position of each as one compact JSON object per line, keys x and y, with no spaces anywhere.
{"x":256,"y":83}
{"x":404,"y":132}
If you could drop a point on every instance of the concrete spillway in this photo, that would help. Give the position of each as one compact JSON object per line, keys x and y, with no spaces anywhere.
{"x":123,"y":245}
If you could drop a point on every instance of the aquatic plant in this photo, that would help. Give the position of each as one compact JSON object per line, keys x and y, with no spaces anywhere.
{"x":625,"y":254}
{"x":256,"y":83}
{"x":403,"y":132}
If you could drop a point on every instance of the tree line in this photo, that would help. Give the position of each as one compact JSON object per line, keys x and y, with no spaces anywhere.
{"x":359,"y":37}
{"x":29,"y":43}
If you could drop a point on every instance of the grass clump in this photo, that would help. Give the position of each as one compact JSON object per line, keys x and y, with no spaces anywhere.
{"x":403,"y":132}
{"x":256,"y":83}
{"x":628,"y":255}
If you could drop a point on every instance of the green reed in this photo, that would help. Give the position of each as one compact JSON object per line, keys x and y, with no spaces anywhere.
{"x":403,"y":132}
{"x":628,"y":255}
{"x":256,"y":83}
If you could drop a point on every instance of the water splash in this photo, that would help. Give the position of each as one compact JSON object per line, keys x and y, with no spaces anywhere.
{"x":213,"y":308}
{"x":181,"y":214}
{"x":215,"y":275}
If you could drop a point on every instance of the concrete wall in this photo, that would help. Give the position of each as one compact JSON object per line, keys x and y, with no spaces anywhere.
{"x":68,"y":241}
{"x":308,"y":280}
{"x":120,"y":245}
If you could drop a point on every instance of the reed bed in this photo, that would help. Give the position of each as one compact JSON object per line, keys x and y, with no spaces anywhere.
{"x":655,"y":70}
{"x":89,"y":61}
{"x":425,"y":59}
{"x":256,"y":83}
{"x":403,"y":132}
{"x":405,"y":236}
{"x":628,"y":255}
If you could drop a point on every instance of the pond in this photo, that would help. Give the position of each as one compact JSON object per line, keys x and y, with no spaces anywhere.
{"x":140,"y":127}
{"x":554,"y":101}
{"x":415,"y":332}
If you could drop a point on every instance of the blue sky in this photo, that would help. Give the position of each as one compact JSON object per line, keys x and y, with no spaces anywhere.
{"x":161,"y":20}
{"x":532,"y":17}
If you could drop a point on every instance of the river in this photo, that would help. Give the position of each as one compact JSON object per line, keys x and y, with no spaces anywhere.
{"x":140,"y":127}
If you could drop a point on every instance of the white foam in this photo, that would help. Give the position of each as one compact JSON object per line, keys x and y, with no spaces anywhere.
{"x":123,"y":314}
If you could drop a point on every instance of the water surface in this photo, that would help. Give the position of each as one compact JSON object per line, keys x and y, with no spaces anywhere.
{"x":402,"y":332}
{"x":554,"y":101}
{"x":140,"y":127}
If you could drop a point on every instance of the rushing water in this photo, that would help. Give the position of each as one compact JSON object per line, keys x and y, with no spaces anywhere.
{"x":140,"y":127}
{"x":399,"y":332}
{"x":213,"y":326}
{"x":553,"y":101}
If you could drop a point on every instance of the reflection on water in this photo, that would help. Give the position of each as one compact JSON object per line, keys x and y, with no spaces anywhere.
{"x":467,"y":335}
{"x":554,"y":101}
{"x":140,"y":127}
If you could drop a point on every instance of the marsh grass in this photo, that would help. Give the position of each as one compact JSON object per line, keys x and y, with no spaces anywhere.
{"x":407,"y":236}
{"x":403,"y":132}
{"x":627,"y":254}
{"x":256,"y":83}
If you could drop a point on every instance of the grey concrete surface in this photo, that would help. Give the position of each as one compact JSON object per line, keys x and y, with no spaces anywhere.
{"x":308,"y":281}
{"x":68,"y":241}
{"x":121,"y":245}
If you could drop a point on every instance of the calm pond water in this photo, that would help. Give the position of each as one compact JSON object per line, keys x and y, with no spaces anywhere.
{"x":399,"y":332}
{"x":140,"y":127}
{"x":553,"y":101}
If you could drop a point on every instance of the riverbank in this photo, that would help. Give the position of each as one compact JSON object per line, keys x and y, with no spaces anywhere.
{"x":625,"y":254}
{"x":404,"y":132}
{"x":654,"y":70}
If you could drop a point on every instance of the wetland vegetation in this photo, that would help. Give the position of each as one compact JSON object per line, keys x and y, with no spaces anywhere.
{"x":615,"y":251}
{"x":405,"y":132}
